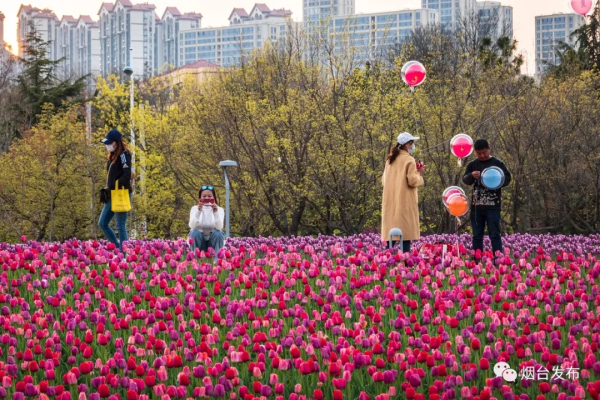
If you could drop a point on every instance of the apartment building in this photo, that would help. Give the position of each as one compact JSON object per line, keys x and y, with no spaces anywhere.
{"x":369,"y":36}
{"x":451,"y":11}
{"x":226,"y":45}
{"x":550,"y":30}
{"x":44,"y":21}
{"x":495,"y":19}
{"x":314,"y":11}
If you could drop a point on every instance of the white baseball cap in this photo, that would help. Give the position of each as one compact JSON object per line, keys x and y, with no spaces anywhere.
{"x":406,"y":137}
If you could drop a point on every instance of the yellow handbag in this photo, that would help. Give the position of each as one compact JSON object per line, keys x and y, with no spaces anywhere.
{"x":119,"y":199}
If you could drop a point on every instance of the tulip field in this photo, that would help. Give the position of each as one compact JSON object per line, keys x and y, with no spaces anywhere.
{"x":301,"y":318}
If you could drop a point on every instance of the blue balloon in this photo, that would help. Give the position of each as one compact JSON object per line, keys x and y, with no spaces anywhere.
{"x":492,"y":178}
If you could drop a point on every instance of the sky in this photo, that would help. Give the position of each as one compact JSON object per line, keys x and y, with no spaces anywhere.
{"x":215,"y":13}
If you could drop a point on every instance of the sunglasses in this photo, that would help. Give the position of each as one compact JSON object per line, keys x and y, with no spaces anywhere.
{"x":207,"y":188}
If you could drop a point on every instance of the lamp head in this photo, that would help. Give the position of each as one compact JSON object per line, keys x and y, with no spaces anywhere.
{"x":228,"y":163}
{"x":128,"y":71}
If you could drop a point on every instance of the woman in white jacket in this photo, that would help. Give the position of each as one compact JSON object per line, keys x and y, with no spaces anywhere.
{"x":206,"y":222}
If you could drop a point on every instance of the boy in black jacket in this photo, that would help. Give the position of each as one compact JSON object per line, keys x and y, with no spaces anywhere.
{"x":485,"y":204}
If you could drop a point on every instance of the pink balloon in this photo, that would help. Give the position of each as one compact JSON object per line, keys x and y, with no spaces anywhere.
{"x":462,"y":147}
{"x":414,"y":73}
{"x":581,"y":7}
{"x":450,"y":193}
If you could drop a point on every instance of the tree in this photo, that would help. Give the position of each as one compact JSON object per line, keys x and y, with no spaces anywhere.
{"x":45,"y":191}
{"x":38,"y":83}
{"x":584,"y":55}
{"x":8,"y":97}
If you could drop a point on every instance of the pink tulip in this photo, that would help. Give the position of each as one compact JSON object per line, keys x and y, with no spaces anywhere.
{"x":273,"y":379}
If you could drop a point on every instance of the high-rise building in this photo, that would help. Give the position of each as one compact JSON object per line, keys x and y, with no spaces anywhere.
{"x":78,"y":46}
{"x":226,"y":45}
{"x":87,"y":49}
{"x":135,"y":36}
{"x":495,"y":20}
{"x":320,"y":10}
{"x":127,"y":38}
{"x":550,"y":30}
{"x":170,"y":25}
{"x":66,"y":45}
{"x":44,"y":21}
{"x":451,"y":11}
{"x":371,"y":36}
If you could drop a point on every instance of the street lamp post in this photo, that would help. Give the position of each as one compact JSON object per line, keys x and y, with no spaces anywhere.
{"x":224,"y":164}
{"x":129,"y":72}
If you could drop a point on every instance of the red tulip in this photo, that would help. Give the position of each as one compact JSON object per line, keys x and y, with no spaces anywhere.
{"x":102,"y":340}
{"x":87,"y":353}
{"x":150,"y":380}
{"x":337,"y":395}
{"x":484,"y":364}
{"x":132,"y":395}
{"x":318,"y":394}
{"x":103,"y":391}
{"x":294,"y":351}
{"x":33,"y":366}
{"x":184,"y":380}
{"x":334,"y":369}
{"x":544,"y":387}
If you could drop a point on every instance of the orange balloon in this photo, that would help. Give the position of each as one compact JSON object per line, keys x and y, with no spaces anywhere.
{"x":457,"y":205}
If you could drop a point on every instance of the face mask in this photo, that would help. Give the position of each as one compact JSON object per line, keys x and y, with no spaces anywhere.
{"x":411,"y":150}
{"x":110,"y":147}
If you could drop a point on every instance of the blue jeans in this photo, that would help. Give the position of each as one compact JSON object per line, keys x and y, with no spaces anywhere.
{"x":120,"y":221}
{"x":479,"y":218}
{"x":215,"y":241}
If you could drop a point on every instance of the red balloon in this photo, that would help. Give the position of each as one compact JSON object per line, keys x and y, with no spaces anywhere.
{"x":415,"y":75}
{"x":462,"y":146}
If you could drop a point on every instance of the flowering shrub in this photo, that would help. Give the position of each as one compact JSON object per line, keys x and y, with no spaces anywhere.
{"x":300,"y":318}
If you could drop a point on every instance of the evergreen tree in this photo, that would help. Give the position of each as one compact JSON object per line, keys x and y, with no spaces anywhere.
{"x":38,"y":82}
{"x":584,"y":55}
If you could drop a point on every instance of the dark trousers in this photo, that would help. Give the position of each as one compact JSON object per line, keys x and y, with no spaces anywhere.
{"x":479,"y":218}
{"x":405,"y":245}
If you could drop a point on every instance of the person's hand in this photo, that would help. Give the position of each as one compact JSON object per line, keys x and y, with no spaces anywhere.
{"x":476,"y":174}
{"x":200,"y":204}
{"x":214,"y":207}
{"x":421,"y":169}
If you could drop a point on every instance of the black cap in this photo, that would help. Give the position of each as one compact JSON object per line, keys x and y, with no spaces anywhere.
{"x":112,"y":136}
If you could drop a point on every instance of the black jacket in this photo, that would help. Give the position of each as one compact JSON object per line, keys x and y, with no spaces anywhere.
{"x":485,"y":199}
{"x":119,"y":171}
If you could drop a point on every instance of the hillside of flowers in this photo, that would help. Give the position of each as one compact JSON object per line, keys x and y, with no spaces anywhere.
{"x":301,"y":318}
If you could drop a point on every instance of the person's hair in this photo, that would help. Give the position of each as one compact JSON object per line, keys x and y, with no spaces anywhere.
{"x":121,"y":148}
{"x":213,"y":193}
{"x":395,"y":151}
{"x":482,"y":144}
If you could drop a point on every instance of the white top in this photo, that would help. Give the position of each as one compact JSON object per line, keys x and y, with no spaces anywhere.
{"x":196,"y":215}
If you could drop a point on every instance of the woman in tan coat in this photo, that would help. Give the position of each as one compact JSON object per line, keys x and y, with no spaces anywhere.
{"x":401,"y":178}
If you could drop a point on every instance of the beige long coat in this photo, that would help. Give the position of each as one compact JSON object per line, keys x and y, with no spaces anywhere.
{"x":400,"y":206}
